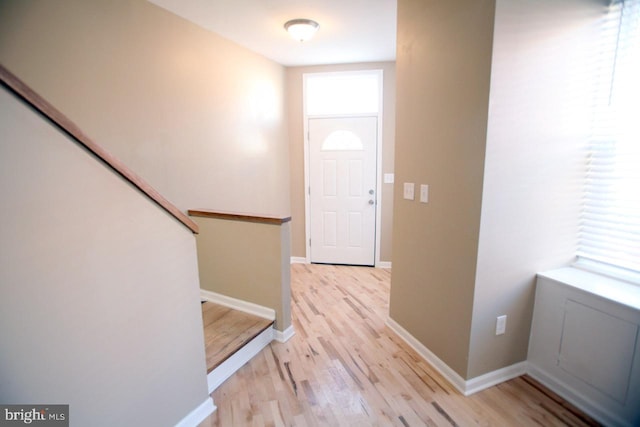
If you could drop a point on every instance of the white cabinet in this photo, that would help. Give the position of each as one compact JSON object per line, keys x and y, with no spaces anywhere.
{"x":585,"y":343}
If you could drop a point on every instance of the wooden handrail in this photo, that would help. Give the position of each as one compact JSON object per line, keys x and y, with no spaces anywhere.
{"x":246,"y":217}
{"x":61,"y":121}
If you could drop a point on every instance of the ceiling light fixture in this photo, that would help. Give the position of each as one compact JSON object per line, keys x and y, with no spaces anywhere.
{"x":301,"y":29}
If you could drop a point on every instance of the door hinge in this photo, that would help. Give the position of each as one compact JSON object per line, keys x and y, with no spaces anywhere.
{"x":309,"y":189}
{"x":309,"y":242}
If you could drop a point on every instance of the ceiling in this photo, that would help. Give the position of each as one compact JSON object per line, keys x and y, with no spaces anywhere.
{"x":350,"y":30}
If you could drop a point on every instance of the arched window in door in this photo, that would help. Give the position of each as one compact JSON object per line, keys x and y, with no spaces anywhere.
{"x":342,"y":140}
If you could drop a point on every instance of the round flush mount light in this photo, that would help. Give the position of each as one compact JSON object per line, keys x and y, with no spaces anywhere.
{"x":301,"y":29}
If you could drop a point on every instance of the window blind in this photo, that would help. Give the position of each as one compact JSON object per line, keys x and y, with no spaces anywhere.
{"x":610,"y":224}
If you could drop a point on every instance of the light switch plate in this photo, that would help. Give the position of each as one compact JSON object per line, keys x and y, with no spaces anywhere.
{"x":409,"y":190}
{"x":424,"y":193}
{"x":388,"y":178}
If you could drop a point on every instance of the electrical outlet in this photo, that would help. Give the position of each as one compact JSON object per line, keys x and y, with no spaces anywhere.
{"x":408,"y":190}
{"x":501,"y":324}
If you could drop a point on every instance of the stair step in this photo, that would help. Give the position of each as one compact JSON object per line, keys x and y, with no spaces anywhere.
{"x":231,"y":338}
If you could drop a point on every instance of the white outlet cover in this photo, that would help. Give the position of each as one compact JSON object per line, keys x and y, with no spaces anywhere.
{"x":501,"y":324}
{"x":409,"y":190}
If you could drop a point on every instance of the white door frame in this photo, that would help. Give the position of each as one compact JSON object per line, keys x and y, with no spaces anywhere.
{"x":306,"y":118}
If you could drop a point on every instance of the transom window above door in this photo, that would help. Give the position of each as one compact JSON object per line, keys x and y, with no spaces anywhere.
{"x":356,"y":92}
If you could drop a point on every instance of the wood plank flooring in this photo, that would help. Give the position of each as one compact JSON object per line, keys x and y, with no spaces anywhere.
{"x":227,"y":330}
{"x":344,"y":367}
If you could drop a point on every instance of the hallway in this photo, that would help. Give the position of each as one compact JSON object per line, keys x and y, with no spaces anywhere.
{"x":344,"y":367}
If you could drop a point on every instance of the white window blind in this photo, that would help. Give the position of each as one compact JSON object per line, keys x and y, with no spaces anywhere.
{"x":610,"y":226}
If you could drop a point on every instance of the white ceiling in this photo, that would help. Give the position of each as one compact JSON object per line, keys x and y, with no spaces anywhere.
{"x":350,"y":30}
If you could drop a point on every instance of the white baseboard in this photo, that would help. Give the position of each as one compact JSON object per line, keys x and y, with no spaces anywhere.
{"x":284,"y":336}
{"x":303,"y":260}
{"x":195,"y":417}
{"x":585,"y":404}
{"x":219,"y":375}
{"x":466,"y":387}
{"x":237,"y":304}
{"x":449,"y":374}
{"x":492,"y":378}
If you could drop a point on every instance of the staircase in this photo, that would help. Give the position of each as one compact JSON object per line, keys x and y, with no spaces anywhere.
{"x":232,"y":338}
{"x":244,"y":265}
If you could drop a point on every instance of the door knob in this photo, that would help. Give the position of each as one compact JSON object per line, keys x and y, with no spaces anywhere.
{"x":370,"y":191}
{"x":371,"y":202}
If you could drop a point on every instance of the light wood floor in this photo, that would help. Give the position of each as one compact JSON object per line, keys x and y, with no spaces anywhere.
{"x":227,"y":330}
{"x":344,"y":367}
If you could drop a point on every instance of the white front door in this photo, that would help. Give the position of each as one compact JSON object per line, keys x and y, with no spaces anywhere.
{"x":343,"y":193}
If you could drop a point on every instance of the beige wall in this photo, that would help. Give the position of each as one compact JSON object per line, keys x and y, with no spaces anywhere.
{"x":504,"y":164}
{"x":202,"y":119}
{"x":99,"y":288}
{"x":296,"y":137}
{"x":443,"y":73}
{"x":247,"y":261}
{"x":541,"y":83}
